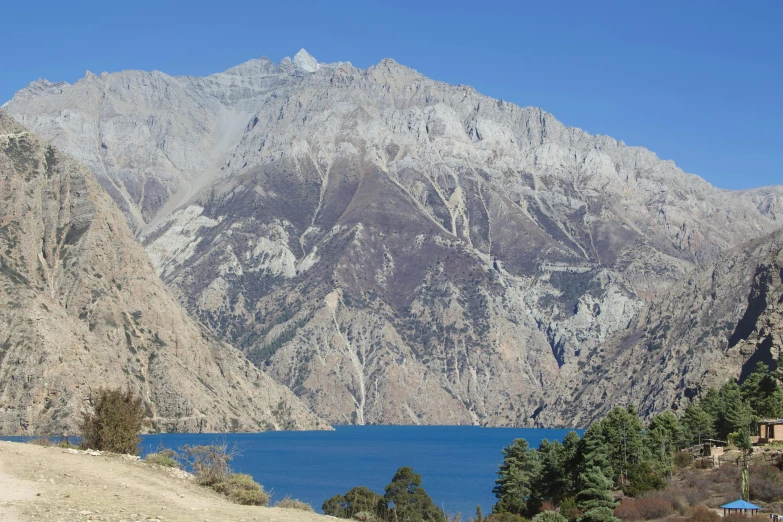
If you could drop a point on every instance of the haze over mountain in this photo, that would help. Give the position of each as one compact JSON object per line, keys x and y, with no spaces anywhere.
{"x":399,"y":250}
{"x":81,"y":308}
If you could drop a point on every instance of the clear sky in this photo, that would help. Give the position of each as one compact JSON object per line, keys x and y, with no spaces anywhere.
{"x":699,"y":82}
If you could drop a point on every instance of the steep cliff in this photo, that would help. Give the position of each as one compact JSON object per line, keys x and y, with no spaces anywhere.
{"x":714,"y":325}
{"x":81,"y":307}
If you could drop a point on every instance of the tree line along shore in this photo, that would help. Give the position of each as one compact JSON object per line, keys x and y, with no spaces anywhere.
{"x":622,"y":468}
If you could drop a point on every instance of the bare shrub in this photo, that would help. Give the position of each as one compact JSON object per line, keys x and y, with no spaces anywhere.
{"x":702,"y":513}
{"x":628,"y":510}
{"x":654,"y":507}
{"x":292,"y":503}
{"x":766,"y":483}
{"x":210,"y":463}
{"x":683,"y":459}
{"x":735,"y":517}
{"x":65,"y":443}
{"x":693,"y":495}
{"x":43,"y":440}
{"x":674,"y":497}
{"x":645,"y":508}
{"x":727,"y":473}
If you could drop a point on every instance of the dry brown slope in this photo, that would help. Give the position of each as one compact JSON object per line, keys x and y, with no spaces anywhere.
{"x":49,"y":484}
{"x":81,"y":307}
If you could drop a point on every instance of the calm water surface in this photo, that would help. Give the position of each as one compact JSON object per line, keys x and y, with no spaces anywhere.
{"x":457,"y":463}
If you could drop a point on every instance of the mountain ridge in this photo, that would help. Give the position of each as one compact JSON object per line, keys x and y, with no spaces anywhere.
{"x":371,"y":236}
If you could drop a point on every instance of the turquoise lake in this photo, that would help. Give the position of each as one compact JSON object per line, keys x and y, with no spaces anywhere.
{"x":457,"y":463}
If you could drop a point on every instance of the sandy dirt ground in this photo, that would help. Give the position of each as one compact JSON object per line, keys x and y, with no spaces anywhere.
{"x":53,"y":484}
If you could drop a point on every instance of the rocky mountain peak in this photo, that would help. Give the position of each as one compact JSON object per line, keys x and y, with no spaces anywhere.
{"x":40,"y":88}
{"x":305,"y":61}
{"x":413,"y":234}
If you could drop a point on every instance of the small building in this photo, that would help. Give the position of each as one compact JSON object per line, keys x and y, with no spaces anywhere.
{"x":711,"y":450}
{"x":770,"y":430}
{"x":740,"y":507}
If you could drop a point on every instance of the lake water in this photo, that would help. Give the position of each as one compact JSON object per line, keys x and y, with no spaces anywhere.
{"x":457,"y":463}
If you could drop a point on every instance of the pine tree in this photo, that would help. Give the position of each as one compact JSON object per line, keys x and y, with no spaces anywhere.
{"x":518,"y":475}
{"x":735,"y":413}
{"x":554,"y":484}
{"x":763,"y":393}
{"x":622,"y":429}
{"x":699,"y":423}
{"x":595,"y":498}
{"x":593,"y":451}
{"x":549,"y":516}
{"x":712,"y":404}
{"x":665,"y":436}
{"x":410,"y":502}
{"x":571,"y":444}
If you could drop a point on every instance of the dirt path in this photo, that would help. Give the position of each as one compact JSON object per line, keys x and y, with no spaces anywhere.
{"x":52,"y":484}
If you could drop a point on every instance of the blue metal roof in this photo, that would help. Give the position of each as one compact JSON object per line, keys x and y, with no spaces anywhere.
{"x":739,"y":504}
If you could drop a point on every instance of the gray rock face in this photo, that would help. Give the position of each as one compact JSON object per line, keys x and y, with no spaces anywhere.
{"x":81,"y":308}
{"x":715,"y":324}
{"x":395,"y":249}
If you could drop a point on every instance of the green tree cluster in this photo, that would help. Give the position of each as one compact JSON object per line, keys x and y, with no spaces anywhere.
{"x":617,"y":451}
{"x":404,"y":500}
{"x":731,"y":412}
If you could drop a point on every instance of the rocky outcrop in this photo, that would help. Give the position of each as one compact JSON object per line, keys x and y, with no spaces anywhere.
{"x":714,"y":325}
{"x":395,"y":249}
{"x":81,"y":307}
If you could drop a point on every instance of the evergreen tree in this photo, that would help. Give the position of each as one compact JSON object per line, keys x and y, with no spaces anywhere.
{"x":742,"y":440}
{"x":593,"y":451}
{"x":763,"y":393}
{"x":549,"y":516}
{"x":554,"y":483}
{"x":595,"y":498}
{"x":735,"y":414}
{"x":571,"y":444}
{"x":410,"y":502}
{"x":712,"y":404}
{"x":355,"y":501}
{"x":622,"y":431}
{"x":665,"y":435}
{"x":698,"y":423}
{"x":518,"y":476}
{"x":643,"y":478}
{"x":335,"y":506}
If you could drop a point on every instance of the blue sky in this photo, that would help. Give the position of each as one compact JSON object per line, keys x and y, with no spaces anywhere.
{"x":699,"y":82}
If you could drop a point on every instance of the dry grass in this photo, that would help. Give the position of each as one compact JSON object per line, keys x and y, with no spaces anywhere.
{"x":292,"y":503}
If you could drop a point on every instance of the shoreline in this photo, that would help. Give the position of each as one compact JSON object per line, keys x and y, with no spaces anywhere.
{"x":50,"y":484}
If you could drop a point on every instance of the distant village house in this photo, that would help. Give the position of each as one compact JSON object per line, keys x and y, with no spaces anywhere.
{"x":770,"y":430}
